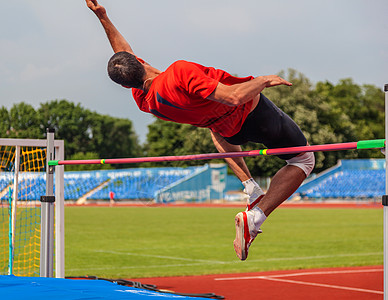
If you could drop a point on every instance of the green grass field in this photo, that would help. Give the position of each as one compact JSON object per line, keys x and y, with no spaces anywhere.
{"x":132,"y":242}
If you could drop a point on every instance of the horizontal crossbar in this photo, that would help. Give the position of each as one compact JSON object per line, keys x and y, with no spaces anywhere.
{"x":369,"y":144}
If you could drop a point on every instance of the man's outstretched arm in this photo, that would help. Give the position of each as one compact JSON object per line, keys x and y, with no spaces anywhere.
{"x":241,"y":93}
{"x":115,"y":38}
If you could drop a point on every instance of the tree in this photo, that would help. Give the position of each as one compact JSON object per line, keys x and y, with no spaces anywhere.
{"x":23,"y":122}
{"x":5,"y":124}
{"x":71,"y":122}
{"x":85,"y":131}
{"x":169,"y":138}
{"x":113,"y":137}
{"x":353,"y":113}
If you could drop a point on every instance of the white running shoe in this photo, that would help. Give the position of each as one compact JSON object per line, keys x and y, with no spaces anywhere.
{"x":245,"y":233}
{"x":246,"y":230}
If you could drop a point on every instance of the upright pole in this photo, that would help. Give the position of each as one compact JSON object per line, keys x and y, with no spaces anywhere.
{"x":10,"y":235}
{"x":47,"y":214}
{"x":385,"y":200}
{"x":14,"y":203}
{"x":59,"y":214}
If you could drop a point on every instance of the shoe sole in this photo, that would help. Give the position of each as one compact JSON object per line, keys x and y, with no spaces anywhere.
{"x":239,"y":243}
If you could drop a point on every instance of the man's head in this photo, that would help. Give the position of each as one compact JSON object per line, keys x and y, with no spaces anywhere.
{"x":125,"y":69}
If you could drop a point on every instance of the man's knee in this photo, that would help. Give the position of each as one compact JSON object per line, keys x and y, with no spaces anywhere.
{"x":306,"y":162}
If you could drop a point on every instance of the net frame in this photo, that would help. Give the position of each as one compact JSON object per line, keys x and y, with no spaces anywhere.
{"x":58,"y":146}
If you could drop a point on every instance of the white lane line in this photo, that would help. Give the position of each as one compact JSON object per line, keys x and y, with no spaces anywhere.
{"x":324,"y":285}
{"x":320,"y":256}
{"x":328,"y":272}
{"x":301,"y":274}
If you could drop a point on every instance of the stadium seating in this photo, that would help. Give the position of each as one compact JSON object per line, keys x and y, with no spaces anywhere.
{"x":136,"y":186}
{"x":349,"y":179}
{"x":4,"y":182}
{"x":29,"y":188}
{"x":77,"y":185}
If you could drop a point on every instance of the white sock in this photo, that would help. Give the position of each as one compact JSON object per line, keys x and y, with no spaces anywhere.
{"x":252,"y":189}
{"x":259,"y":217}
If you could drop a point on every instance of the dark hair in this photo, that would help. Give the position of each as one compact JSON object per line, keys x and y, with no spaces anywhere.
{"x":125,"y":69}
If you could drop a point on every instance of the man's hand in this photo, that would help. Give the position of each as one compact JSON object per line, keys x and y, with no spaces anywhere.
{"x":115,"y":38}
{"x":96,"y":8}
{"x":274,"y":80}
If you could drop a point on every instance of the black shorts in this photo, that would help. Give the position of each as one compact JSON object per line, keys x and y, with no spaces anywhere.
{"x":269,"y":125}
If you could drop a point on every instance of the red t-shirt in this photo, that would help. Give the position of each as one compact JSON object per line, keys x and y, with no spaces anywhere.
{"x":179,"y":95}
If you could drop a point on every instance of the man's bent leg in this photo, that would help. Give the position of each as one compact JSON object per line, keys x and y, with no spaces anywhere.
{"x":283,"y":185}
{"x":285,"y":182}
{"x":248,"y":223}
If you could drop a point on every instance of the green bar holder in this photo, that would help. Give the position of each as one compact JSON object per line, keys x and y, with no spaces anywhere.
{"x":53,"y":162}
{"x":371,"y":144}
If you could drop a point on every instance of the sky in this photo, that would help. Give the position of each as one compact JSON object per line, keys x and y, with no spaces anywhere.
{"x":58,"y":50}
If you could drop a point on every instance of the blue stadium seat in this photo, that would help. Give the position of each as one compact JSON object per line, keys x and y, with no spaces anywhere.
{"x":349,"y":183}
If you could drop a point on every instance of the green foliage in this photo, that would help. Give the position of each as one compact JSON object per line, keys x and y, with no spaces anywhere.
{"x":352,"y":113}
{"x":114,"y":137}
{"x":169,"y":138}
{"x":22,"y":121}
{"x":85,"y":133}
{"x":71,"y":122}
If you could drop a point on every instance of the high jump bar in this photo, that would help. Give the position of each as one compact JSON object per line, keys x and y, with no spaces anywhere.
{"x":367,"y":144}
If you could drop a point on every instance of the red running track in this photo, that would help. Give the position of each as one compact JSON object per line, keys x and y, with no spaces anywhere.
{"x":354,"y":283}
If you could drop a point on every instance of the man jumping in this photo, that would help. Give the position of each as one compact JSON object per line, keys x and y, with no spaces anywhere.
{"x":232,"y":108}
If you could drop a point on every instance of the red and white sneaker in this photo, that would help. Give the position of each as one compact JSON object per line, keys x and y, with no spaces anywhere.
{"x":246,"y":230}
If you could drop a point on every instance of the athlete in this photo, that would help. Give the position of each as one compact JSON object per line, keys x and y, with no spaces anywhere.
{"x":232,"y":108}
